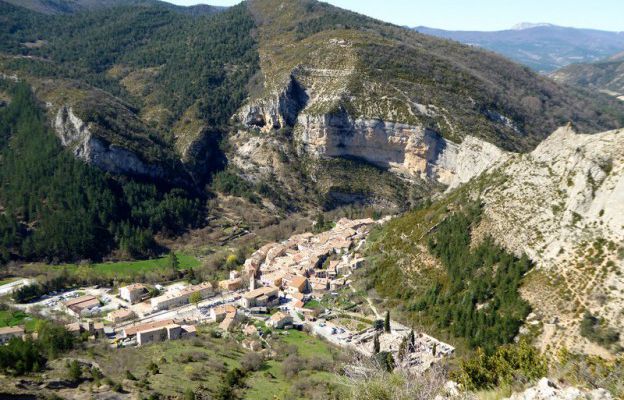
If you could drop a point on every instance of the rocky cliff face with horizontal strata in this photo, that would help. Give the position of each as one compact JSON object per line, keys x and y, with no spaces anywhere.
{"x":412,"y":151}
{"x":76,"y":135}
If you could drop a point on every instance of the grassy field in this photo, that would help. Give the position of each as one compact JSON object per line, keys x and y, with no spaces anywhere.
{"x":123,"y":267}
{"x":271,"y":382}
{"x":13,"y":318}
{"x":121,"y":270}
{"x":203,"y":361}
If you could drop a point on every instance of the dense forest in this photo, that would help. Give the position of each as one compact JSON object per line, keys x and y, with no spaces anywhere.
{"x":58,"y":208}
{"x":479,"y":298}
{"x":206,"y":59}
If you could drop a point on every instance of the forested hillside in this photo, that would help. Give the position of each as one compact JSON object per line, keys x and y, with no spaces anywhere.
{"x":57,"y":208}
{"x":472,"y":293}
{"x":149,"y":102}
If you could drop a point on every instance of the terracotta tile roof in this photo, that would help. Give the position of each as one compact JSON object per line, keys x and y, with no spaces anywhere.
{"x":132,"y":330}
{"x":121,"y":313}
{"x":278,"y":316}
{"x":78,"y":300}
{"x":12,"y":330}
{"x":298,"y":281}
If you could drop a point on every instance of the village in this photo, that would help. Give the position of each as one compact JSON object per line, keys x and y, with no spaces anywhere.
{"x":280,"y":287}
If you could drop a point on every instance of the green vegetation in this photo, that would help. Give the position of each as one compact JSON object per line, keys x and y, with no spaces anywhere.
{"x":218,"y":53}
{"x":479,"y":299}
{"x":21,"y":356}
{"x":58,"y":208}
{"x":597,"y":330}
{"x":509,"y":364}
{"x":590,"y":371}
{"x":17,"y":317}
{"x":213,"y":367}
{"x":61,"y":277}
{"x":474,"y":297}
{"x":228,"y":182}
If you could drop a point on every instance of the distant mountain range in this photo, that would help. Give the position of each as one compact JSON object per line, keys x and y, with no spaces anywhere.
{"x":606,"y":76}
{"x":542,"y":47}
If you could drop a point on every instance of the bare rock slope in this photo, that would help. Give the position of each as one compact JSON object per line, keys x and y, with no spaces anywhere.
{"x":563,"y":205}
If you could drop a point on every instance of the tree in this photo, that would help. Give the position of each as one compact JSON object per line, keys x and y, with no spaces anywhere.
{"x":376,"y":345}
{"x":434,"y":349}
{"x":412,"y":340}
{"x":387,"y":322}
{"x":153,"y":368}
{"x":172,"y":262}
{"x":378,"y":324}
{"x":74,"y":371}
{"x":252,"y":362}
{"x":195,"y":298}
{"x":191,"y":277}
{"x":403,"y":347}
{"x":189,"y":394}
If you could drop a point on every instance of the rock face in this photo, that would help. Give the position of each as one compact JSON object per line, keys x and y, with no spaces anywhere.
{"x":563,"y":205}
{"x":569,"y":189}
{"x":413,"y":151}
{"x":547,"y":390}
{"x":277,"y":111}
{"x":77,"y":136}
{"x":409,"y":150}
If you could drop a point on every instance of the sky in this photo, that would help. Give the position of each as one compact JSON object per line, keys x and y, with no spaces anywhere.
{"x":483,"y":15}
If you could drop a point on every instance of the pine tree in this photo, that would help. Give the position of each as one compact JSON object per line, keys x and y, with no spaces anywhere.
{"x":387,"y":322}
{"x":376,"y":345}
{"x":172,"y":262}
{"x":403,"y":348}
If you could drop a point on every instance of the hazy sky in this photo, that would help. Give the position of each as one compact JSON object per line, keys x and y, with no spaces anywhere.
{"x":480,"y":14}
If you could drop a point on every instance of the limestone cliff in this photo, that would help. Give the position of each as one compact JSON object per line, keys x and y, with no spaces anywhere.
{"x":76,"y":135}
{"x":563,"y":205}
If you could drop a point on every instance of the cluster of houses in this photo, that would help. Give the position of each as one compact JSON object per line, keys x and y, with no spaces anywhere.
{"x":304,"y":266}
{"x":306,"y":263}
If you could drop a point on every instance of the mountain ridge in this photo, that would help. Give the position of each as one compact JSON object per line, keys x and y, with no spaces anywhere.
{"x":73,"y":6}
{"x":295,"y":104}
{"x":543,"y":48}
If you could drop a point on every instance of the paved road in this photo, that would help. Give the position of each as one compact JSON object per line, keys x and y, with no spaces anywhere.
{"x":9,"y":287}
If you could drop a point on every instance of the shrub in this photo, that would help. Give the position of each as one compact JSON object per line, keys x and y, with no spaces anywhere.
{"x":292,"y":365}
{"x":510,"y":363}
{"x":596,"y":330}
{"x":74,"y":372}
{"x":252,"y":362}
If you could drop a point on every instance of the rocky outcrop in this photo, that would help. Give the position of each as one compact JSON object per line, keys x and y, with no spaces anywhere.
{"x":76,"y":135}
{"x":563,"y":206}
{"x":548,"y":390}
{"x":275,"y":112}
{"x":569,"y":189}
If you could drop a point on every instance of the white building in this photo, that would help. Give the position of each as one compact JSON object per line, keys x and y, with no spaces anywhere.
{"x":182,"y":297}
